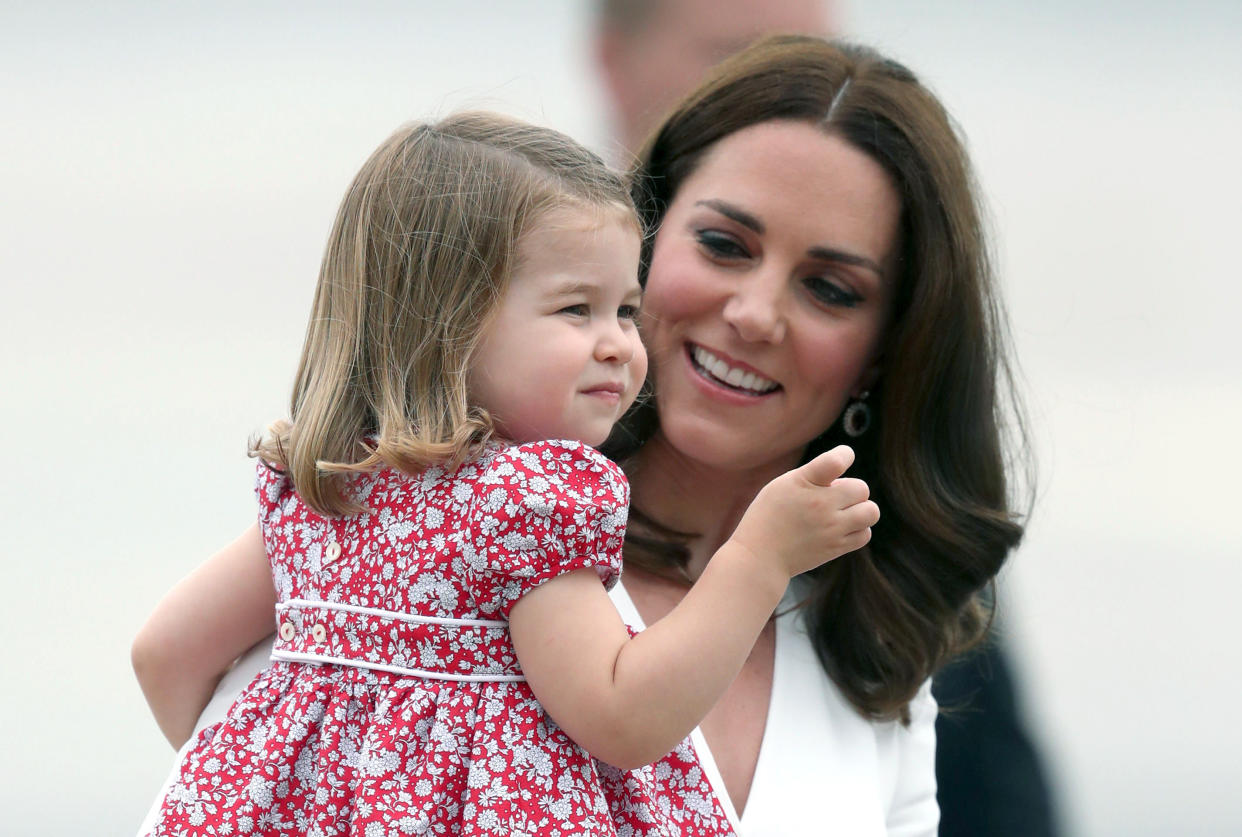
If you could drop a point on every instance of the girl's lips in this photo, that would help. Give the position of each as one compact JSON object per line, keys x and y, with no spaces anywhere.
{"x":610,"y":392}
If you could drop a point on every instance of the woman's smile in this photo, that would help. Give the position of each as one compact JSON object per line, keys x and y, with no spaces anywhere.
{"x":722,"y":370}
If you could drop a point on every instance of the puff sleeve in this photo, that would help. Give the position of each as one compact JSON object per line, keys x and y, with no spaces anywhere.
{"x":271,"y":487}
{"x":286,"y":546}
{"x":539,"y":510}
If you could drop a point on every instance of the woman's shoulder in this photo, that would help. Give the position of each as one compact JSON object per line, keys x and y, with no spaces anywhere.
{"x":878,"y":772}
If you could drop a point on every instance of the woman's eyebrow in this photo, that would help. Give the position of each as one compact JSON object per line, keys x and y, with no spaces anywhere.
{"x":733,"y":213}
{"x":829,"y":254}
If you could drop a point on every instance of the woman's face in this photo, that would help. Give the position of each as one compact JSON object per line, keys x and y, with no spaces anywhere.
{"x":770,"y":287}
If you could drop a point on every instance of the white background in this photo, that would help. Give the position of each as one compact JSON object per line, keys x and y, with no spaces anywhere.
{"x":169,"y":174}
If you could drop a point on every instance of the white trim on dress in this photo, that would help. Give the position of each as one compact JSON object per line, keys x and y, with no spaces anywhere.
{"x":300,"y":657}
{"x":392,"y":614}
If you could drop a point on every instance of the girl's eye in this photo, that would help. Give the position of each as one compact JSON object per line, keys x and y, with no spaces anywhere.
{"x":720,"y":245}
{"x":831,"y":293}
{"x":579,"y":310}
{"x":628,"y":312}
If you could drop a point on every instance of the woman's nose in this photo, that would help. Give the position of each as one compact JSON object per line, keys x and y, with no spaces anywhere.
{"x":755,"y":309}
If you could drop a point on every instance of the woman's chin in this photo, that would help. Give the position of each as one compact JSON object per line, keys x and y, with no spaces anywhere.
{"x":727,"y":447}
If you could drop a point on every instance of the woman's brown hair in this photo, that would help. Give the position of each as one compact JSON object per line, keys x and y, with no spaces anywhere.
{"x":886,"y":617}
{"x":422,"y":249}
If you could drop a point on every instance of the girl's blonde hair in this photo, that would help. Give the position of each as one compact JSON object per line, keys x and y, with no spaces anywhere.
{"x":421,"y":251}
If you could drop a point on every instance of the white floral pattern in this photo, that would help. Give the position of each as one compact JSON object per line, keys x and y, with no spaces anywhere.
{"x":346,"y":749}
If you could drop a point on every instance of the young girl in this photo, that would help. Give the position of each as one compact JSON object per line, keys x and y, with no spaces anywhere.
{"x":447,"y":660}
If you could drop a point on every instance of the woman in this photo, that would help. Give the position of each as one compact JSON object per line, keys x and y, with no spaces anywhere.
{"x":816,"y":274}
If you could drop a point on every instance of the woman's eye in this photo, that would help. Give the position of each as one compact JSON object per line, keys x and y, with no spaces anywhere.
{"x":832,"y":293}
{"x":720,"y":245}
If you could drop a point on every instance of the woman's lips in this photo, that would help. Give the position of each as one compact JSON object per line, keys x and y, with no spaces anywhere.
{"x":728,"y":375}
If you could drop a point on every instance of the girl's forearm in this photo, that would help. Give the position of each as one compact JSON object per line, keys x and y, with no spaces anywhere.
{"x":667,"y":678}
{"x":175,"y":689}
{"x":670,"y":676}
{"x":199,"y":628}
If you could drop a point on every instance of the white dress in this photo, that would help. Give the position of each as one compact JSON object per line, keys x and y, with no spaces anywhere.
{"x":822,"y":767}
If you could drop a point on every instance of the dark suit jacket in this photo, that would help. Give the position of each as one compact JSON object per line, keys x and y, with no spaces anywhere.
{"x":990,"y":780}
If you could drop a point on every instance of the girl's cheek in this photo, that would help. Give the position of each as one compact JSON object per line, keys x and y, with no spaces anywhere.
{"x":640,"y":363}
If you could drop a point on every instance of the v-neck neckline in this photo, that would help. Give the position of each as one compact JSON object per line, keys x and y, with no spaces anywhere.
{"x":630,"y":615}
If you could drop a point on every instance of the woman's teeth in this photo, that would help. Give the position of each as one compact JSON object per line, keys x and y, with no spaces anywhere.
{"x":731,"y":376}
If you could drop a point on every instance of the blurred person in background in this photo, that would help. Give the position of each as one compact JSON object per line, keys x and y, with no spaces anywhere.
{"x":652,"y":52}
{"x":648,"y":54}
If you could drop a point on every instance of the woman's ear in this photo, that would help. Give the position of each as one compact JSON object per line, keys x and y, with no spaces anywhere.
{"x":867,"y":380}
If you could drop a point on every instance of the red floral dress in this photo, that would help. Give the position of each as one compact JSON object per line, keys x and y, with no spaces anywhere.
{"x":394,"y":704}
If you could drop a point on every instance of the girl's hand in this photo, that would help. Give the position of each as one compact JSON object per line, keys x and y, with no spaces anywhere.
{"x":809,"y":515}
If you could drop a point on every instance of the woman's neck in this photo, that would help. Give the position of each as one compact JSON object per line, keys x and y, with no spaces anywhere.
{"x":688,"y":496}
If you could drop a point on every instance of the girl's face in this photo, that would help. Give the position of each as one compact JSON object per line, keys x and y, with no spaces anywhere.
{"x":561,"y":357}
{"x":770,"y":286}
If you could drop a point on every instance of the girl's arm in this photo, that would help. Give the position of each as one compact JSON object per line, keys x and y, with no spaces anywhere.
{"x":630,"y":701}
{"x":200,"y":628}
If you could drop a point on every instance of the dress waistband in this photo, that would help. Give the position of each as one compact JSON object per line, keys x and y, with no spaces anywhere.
{"x":437,"y":648}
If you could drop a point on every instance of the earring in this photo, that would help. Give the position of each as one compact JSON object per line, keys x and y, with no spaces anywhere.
{"x":857,"y":416}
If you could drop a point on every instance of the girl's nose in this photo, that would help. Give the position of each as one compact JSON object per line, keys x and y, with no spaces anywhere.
{"x":755,"y":309}
{"x":614,"y":344}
